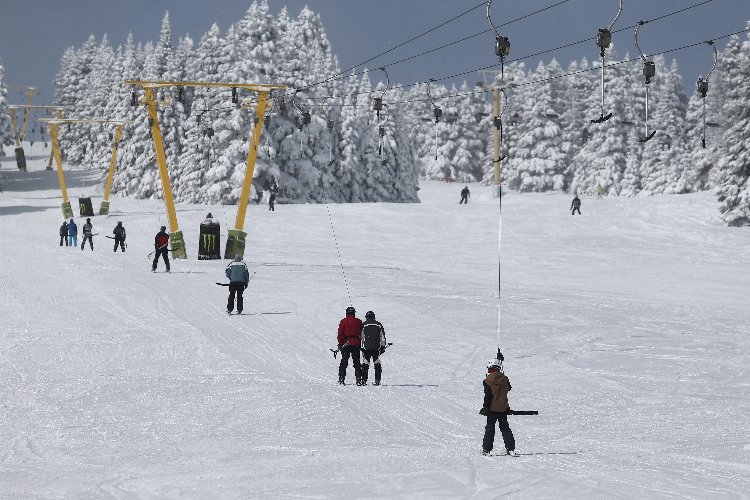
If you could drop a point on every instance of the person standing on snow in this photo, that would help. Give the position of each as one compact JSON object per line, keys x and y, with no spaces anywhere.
{"x":272,"y":198}
{"x":119,"y":233}
{"x":465,"y":194}
{"x":576,"y":205}
{"x":64,"y":233}
{"x":373,"y":345}
{"x":72,"y":233}
{"x":239,"y":277}
{"x":161,"y":242}
{"x":350,"y":329}
{"x":87,"y":235}
{"x":495,"y":408}
{"x":599,"y":191}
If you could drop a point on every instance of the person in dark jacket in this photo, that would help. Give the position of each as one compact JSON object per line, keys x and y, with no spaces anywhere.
{"x":64,"y":233}
{"x":495,"y":408}
{"x":350,"y":329}
{"x":272,"y":198}
{"x":87,"y":235}
{"x":161,"y":242}
{"x":576,"y":205}
{"x":72,"y":233}
{"x":119,"y":233}
{"x":465,"y":195}
{"x":239,"y":277}
{"x":373,"y":343}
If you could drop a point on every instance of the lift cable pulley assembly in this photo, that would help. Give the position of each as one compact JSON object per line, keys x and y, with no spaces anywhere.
{"x":702,"y":87}
{"x":437,"y":112}
{"x":649,"y":72}
{"x":603,"y":41}
{"x":502,"y":44}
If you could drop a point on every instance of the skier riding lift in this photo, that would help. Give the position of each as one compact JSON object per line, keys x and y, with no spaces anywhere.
{"x":495,"y":408}
{"x":348,"y":337}
{"x":373,"y":345}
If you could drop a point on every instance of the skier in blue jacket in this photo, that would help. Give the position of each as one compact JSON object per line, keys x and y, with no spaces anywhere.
{"x":72,"y":233}
{"x":239,"y":277}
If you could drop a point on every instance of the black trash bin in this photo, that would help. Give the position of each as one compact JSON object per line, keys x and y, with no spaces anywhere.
{"x":209,"y":245}
{"x":85,"y":207}
{"x":20,"y":159}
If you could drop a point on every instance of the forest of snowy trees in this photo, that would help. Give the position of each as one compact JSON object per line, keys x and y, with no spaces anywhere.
{"x":550,"y":141}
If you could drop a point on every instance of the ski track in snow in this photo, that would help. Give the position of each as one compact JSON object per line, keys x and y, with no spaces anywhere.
{"x":626,"y":327}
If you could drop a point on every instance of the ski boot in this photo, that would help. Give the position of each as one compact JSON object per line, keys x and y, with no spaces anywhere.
{"x":377,"y":382}
{"x":341,"y":381}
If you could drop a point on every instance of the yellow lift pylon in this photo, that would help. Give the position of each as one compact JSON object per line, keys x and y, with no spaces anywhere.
{"x":236,"y":238}
{"x":26,"y":107}
{"x":52,"y":124}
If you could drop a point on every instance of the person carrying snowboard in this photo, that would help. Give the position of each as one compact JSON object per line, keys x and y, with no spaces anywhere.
{"x":87,"y":235}
{"x":64,"y":233}
{"x":465,"y":194}
{"x":119,"y":233}
{"x":576,"y":205}
{"x":373,"y":345}
{"x":495,"y":408}
{"x":239,"y":277}
{"x":272,"y":198}
{"x":350,"y":328}
{"x":161,"y":242}
{"x":72,"y":233}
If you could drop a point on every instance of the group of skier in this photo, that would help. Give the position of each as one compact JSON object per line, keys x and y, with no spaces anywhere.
{"x":355,"y":336}
{"x":69,"y":234}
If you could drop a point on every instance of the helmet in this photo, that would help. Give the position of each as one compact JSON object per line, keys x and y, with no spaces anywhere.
{"x":350,"y":311}
{"x":163,"y":228}
{"x":495,"y":363}
{"x":370,"y":315}
{"x":88,"y":220}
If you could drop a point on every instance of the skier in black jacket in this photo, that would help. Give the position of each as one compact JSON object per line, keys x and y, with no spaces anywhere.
{"x":119,"y":233}
{"x":576,"y":205}
{"x":465,"y":195}
{"x":373,"y":343}
{"x":64,"y":233}
{"x":272,"y":199}
{"x":87,"y":235}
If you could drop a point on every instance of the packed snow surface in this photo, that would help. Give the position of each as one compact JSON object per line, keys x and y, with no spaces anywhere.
{"x":626,"y":327}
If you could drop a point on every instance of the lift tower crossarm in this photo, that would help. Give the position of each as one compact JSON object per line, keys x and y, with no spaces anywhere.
{"x":53,"y":124}
{"x":236,"y":239}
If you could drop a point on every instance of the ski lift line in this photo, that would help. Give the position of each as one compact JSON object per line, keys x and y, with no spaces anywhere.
{"x":517,"y":59}
{"x":345,"y":74}
{"x":557,"y":77}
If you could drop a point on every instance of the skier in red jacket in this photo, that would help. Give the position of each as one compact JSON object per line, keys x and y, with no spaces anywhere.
{"x":350,"y":329}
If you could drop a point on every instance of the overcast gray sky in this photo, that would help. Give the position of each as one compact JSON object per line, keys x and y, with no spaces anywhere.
{"x":34,"y":33}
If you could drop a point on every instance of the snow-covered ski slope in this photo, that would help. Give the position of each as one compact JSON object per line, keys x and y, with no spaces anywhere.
{"x":626,"y":327}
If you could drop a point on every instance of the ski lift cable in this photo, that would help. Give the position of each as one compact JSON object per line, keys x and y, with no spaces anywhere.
{"x":517,"y":59}
{"x":345,"y":74}
{"x":551,"y":78}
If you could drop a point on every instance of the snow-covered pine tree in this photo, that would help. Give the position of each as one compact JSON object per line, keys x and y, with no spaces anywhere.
{"x":575,"y":118}
{"x":538,"y":154}
{"x":664,"y":156}
{"x":733,"y":190}
{"x":473,"y":112}
{"x":6,"y":130}
{"x":601,"y":160}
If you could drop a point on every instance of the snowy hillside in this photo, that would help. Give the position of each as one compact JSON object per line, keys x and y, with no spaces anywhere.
{"x":626,"y":327}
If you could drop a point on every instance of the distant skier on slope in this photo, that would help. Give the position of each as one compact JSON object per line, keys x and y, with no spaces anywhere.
{"x":272,"y":198}
{"x":495,"y":408}
{"x":350,"y":329}
{"x":119,"y":232}
{"x":599,"y":191}
{"x":64,"y":233}
{"x":239,"y":277}
{"x":576,"y":205}
{"x":373,"y":344}
{"x":161,"y":242}
{"x":72,"y":233}
{"x":87,"y":235}
{"x":465,"y":194}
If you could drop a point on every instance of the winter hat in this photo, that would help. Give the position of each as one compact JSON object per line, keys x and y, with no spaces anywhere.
{"x":370,"y":315}
{"x":88,"y":220}
{"x":163,"y":228}
{"x":350,"y":311}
